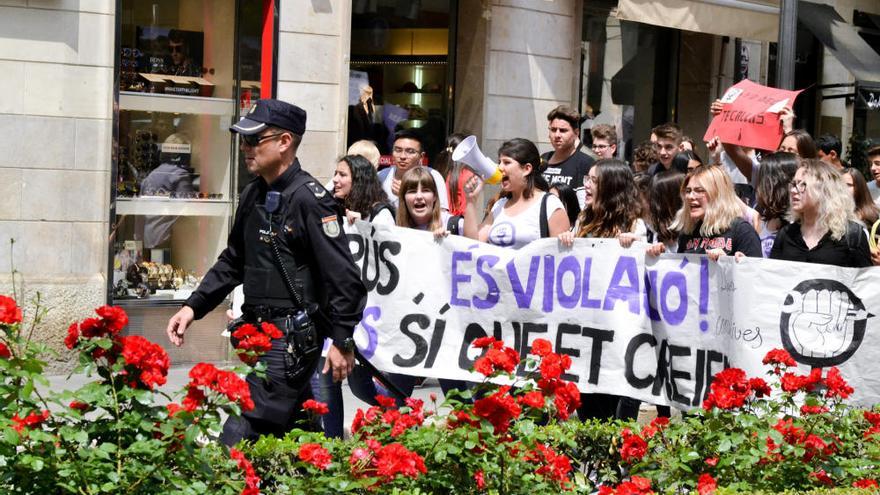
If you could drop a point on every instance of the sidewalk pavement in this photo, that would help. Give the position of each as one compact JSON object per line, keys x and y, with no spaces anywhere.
{"x":177,"y":379}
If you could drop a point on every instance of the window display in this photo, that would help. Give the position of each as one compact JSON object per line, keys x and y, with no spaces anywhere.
{"x":186,"y":68}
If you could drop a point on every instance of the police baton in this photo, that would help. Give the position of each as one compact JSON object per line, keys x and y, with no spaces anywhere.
{"x":389,"y":385}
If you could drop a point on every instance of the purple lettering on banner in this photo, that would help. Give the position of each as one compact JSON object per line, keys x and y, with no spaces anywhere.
{"x":674,"y":280}
{"x":549,"y":270}
{"x":627,"y":266}
{"x":586,"y":302}
{"x":524,"y":296}
{"x":374,"y":313}
{"x":704,"y":292}
{"x":459,"y":278}
{"x":493,"y":294}
{"x":651,"y":295}
{"x":569,"y":264}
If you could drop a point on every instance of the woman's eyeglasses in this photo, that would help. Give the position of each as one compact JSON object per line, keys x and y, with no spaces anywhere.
{"x":799,"y":186}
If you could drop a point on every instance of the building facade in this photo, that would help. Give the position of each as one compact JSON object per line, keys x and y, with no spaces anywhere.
{"x":100,"y":95}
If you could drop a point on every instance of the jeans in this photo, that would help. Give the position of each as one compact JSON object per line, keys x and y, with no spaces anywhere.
{"x":326,"y":390}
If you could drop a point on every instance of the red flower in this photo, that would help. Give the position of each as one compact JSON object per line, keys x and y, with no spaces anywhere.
{"x":759,"y":387}
{"x":5,"y":353}
{"x":316,"y":407}
{"x":79,"y":406}
{"x":822,"y":477}
{"x":497,"y":359}
{"x":484,"y":342}
{"x":792,"y":382}
{"x":499,"y":409}
{"x":655,"y":426}
{"x":865,"y":484}
{"x":149,"y":360}
{"x":30,"y":421}
{"x":173,"y":408}
{"x":386,"y":402}
{"x":395,"y":459}
{"x":541,"y":347}
{"x":633,"y":447}
{"x":554,"y":365}
{"x":712,"y":461}
{"x":706,"y":484}
{"x":836,"y":385}
{"x":251,"y":480}
{"x":225,"y":383}
{"x":729,"y":390}
{"x":552,"y":465}
{"x":114,"y":318}
{"x":779,"y":358}
{"x":72,"y":336}
{"x":10,"y":313}
{"x":316,"y":455}
{"x":805,"y":410}
{"x":480,"y":480}
{"x":533,"y":399}
{"x":252,"y":342}
{"x":635,"y":486}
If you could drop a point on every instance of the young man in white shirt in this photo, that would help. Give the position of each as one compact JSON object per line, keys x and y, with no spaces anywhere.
{"x":407,"y":152}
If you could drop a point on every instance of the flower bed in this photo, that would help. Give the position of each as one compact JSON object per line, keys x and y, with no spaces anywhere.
{"x":112,"y":436}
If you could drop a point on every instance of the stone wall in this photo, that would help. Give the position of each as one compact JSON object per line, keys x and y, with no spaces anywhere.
{"x":56,"y":78}
{"x":313,"y":53}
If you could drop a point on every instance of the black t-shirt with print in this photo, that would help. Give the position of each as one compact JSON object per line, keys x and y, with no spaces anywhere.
{"x":740,"y":237}
{"x":571,"y":171}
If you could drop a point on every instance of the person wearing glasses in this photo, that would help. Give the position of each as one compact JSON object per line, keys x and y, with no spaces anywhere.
{"x":604,"y":140}
{"x":710,"y":220}
{"x":824,"y":227}
{"x":180,"y":62}
{"x":407,"y":153}
{"x":287,"y":231}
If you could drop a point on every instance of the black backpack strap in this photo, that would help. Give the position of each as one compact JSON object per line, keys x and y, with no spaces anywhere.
{"x":545,"y":224}
{"x":452,"y":224}
{"x":378,"y":207}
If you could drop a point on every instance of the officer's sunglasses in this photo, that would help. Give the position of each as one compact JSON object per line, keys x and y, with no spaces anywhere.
{"x":253,"y":140}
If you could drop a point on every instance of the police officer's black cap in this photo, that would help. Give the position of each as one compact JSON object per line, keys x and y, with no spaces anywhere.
{"x":276,"y":113}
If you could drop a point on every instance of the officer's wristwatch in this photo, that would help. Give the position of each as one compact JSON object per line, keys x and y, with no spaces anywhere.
{"x":345,"y":345}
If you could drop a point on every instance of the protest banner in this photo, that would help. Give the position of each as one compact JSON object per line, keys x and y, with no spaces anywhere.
{"x":750,"y":116}
{"x":653,"y":328}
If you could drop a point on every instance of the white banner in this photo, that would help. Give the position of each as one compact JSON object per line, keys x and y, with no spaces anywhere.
{"x":656,"y":329}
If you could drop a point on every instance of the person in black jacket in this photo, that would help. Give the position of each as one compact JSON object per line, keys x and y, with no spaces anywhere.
{"x":300,"y":231}
{"x":823,"y":226}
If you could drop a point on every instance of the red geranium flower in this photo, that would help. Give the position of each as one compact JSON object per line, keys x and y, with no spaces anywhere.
{"x":10,"y":313}
{"x":792,"y":382}
{"x":635,"y":486}
{"x":541,"y":347}
{"x":395,"y":459}
{"x":633,"y":447}
{"x":484,"y":342}
{"x":865,"y":484}
{"x":114,"y":318}
{"x":30,"y":421}
{"x":251,"y":480}
{"x":5,"y":353}
{"x":759,"y":387}
{"x":554,"y":365}
{"x":712,"y":461}
{"x":497,"y":358}
{"x":316,"y":455}
{"x":655,"y":426}
{"x":779,"y":358}
{"x":149,"y":361}
{"x":836,"y":385}
{"x":805,"y":410}
{"x":251,"y":342}
{"x":706,"y":484}
{"x":316,"y":407}
{"x":533,"y":399}
{"x":79,"y":406}
{"x":822,"y":477}
{"x":225,"y":383}
{"x":480,"y":479}
{"x":499,"y":409}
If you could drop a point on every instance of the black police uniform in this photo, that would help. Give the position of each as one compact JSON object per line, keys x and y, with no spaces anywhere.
{"x":313,"y":247}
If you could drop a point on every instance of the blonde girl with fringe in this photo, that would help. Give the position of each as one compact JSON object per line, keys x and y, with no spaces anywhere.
{"x":824,"y":227}
{"x":710,"y":220}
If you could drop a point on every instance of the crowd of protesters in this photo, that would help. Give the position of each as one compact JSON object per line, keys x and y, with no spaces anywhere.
{"x":799,"y":202}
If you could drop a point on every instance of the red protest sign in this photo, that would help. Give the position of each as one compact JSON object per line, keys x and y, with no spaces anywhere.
{"x":750,"y":116}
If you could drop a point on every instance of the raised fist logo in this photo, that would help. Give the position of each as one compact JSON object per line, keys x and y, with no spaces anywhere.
{"x":822,"y":323}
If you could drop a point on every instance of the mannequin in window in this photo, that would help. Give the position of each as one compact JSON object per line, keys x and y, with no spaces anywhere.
{"x":172,"y":178}
{"x":361,"y":117}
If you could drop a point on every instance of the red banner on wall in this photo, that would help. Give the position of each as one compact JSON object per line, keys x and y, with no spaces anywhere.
{"x":750,"y":116}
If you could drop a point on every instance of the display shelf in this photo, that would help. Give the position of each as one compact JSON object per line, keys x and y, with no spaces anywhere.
{"x":157,"y":102}
{"x":158,"y":206}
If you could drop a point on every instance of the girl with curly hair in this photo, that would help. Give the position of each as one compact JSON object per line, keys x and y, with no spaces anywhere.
{"x":772,"y":179}
{"x":357,"y":187}
{"x":824,"y":227}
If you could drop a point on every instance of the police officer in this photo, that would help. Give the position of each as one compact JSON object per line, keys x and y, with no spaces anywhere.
{"x":284,"y":216}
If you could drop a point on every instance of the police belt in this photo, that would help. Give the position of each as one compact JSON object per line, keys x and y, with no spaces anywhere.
{"x":273,"y":314}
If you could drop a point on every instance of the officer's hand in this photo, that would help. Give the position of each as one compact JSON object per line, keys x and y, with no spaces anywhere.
{"x":341,"y":362}
{"x":178,"y":324}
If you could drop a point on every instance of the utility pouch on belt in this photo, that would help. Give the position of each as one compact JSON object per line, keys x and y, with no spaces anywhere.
{"x":303,"y":346}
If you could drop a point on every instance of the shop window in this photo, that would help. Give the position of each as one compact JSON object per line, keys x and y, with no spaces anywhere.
{"x":400,"y":72}
{"x":186,"y":69}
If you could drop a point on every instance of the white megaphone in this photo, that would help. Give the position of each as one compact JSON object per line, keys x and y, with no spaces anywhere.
{"x":469,"y":153}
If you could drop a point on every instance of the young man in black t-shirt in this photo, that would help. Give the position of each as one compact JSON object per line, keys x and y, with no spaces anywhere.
{"x":567,"y":163}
